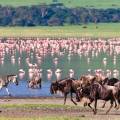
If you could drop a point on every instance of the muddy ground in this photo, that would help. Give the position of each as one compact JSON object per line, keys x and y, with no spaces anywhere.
{"x":39,"y":112}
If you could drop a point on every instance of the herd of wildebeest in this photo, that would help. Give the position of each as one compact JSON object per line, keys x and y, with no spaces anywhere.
{"x":91,"y":87}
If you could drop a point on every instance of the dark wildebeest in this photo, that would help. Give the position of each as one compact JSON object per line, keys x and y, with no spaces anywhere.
{"x":66,"y":86}
{"x":95,"y":92}
{"x":5,"y":80}
{"x":35,"y":82}
{"x":87,"y":80}
{"x":111,"y":82}
{"x":117,"y":85}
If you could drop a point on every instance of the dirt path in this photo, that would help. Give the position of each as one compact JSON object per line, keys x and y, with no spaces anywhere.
{"x":37,"y":112}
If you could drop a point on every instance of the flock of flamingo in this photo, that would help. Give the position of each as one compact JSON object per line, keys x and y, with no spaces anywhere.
{"x":39,"y":48}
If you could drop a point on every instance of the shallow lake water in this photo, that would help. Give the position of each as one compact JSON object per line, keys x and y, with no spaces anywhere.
{"x":74,"y":57}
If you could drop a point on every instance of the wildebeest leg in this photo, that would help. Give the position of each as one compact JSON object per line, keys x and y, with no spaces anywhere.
{"x":65,"y":97}
{"x":95,"y":111}
{"x":111,"y":105}
{"x":90,"y":107}
{"x":115,"y":104}
{"x":118,"y":106}
{"x":8,"y":92}
{"x":118,"y":100}
{"x":104,"y":104}
{"x":115,"y":100}
{"x":72,"y":98}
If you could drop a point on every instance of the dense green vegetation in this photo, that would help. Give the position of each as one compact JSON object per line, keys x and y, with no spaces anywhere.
{"x":102,"y":30}
{"x":68,"y":3}
{"x":55,"y":15}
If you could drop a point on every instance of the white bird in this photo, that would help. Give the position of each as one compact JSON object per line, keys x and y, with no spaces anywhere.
{"x":71,"y":73}
{"x":49,"y":74}
{"x":58,"y":73}
{"x":21,"y":73}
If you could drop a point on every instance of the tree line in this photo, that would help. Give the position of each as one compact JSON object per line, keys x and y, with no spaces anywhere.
{"x":55,"y":15}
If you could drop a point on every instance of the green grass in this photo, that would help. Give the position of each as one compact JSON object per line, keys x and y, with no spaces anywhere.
{"x":104,"y":30}
{"x":68,"y":3}
{"x":47,"y":106}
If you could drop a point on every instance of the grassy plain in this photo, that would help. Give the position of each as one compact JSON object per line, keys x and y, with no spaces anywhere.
{"x":103,"y":30}
{"x":68,"y":3}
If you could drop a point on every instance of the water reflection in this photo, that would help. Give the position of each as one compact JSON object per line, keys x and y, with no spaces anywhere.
{"x":55,"y":59}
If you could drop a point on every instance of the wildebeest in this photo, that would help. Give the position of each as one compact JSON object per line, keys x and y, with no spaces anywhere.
{"x":66,"y":86}
{"x":87,"y":80}
{"x":5,"y":80}
{"x":111,"y":82}
{"x":117,"y":85}
{"x":35,"y":82}
{"x":95,"y":92}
